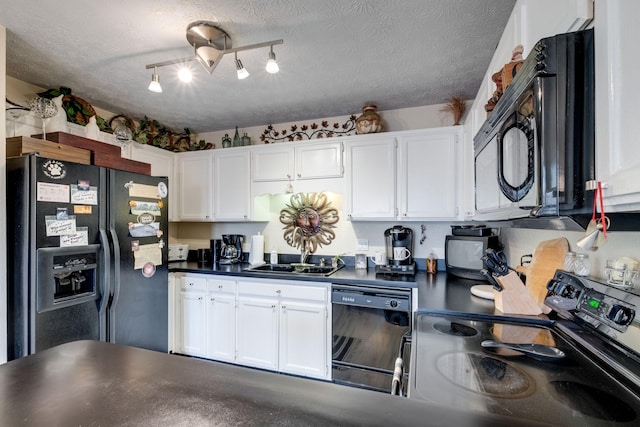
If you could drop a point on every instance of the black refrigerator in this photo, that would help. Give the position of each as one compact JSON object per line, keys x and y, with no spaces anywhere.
{"x":87,"y":256}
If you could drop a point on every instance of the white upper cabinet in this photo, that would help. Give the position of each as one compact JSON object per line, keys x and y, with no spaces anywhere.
{"x":617,"y":87}
{"x":409,"y":175}
{"x":231,"y":185}
{"x":161,"y":165}
{"x":429,"y":176}
{"x":298,"y":160}
{"x":318,"y":160}
{"x":196,"y":178}
{"x":370,"y":164}
{"x":272,"y":162}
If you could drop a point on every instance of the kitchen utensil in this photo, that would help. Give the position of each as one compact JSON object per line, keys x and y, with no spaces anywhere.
{"x":548,"y":257}
{"x":496,"y":262}
{"x":540,"y":352}
{"x":487,"y":275}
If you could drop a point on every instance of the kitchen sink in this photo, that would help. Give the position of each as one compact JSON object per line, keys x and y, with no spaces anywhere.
{"x":294,"y":269}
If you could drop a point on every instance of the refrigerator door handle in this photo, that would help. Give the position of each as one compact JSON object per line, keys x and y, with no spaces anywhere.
{"x":115,"y":282}
{"x":106,"y":283}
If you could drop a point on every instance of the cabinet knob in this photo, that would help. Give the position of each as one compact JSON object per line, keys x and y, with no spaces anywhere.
{"x":284,"y":307}
{"x":199,"y":298}
{"x":212,"y":299}
{"x":219,"y":286}
{"x":299,"y":175}
{"x":278,"y":291}
{"x":288,"y":176}
{"x":273,"y":306}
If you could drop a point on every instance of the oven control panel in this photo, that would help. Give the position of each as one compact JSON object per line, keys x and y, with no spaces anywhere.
{"x":606,"y":309}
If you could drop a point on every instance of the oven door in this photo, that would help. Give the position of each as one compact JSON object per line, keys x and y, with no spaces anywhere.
{"x":371,"y":329}
{"x":507,"y":163}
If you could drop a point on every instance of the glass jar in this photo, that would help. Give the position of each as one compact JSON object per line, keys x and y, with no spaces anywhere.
{"x":569,"y":262}
{"x":246,"y":140}
{"x":226,"y":141}
{"x":583,"y":265}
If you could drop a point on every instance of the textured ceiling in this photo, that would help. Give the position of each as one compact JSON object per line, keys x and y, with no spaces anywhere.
{"x":337,"y":55}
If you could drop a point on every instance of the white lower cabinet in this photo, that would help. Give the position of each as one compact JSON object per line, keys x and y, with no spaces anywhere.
{"x":276,"y":325}
{"x":284,"y":327}
{"x":192,"y":316}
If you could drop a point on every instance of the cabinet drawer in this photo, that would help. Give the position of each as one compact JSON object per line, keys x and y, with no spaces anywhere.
{"x":194,"y":284}
{"x":260,"y":288}
{"x":221,"y":285}
{"x":283,"y":290}
{"x":309,"y":293}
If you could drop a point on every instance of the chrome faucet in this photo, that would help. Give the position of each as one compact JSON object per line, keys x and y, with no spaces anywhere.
{"x":304,"y":254}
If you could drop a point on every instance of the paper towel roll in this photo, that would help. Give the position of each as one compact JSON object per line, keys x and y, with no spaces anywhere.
{"x":256,"y":255}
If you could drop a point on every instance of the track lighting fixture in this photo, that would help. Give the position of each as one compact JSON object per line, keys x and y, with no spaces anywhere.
{"x":154,"y":86}
{"x":272,"y":65}
{"x":242,"y":72}
{"x":210,"y":44}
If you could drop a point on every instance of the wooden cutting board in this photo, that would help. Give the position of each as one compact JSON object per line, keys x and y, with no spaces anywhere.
{"x":547,"y":258}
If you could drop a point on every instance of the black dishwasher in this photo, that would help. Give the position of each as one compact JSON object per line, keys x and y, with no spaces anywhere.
{"x":371,"y":329}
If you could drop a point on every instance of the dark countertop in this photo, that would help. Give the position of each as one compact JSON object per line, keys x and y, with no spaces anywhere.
{"x":436,"y":292}
{"x":346,"y":275}
{"x":92,"y":383}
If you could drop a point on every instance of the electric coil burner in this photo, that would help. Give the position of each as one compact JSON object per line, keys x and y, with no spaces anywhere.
{"x":594,"y":380}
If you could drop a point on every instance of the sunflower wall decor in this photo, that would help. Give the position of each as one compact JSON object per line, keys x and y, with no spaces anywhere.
{"x":309,"y":220}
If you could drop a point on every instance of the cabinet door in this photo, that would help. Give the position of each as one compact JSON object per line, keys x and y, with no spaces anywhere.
{"x":617,"y":89}
{"x":371,"y":179}
{"x":272,"y":163}
{"x":195,"y":187}
{"x":303,"y":339}
{"x":428,"y":174}
{"x":161,"y":165}
{"x":231,"y":185}
{"x":220,"y":327}
{"x":192,"y":308}
{"x":318,"y":160}
{"x":257,"y":337}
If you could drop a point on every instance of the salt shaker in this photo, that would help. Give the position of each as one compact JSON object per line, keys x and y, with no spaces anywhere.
{"x":583,"y":265}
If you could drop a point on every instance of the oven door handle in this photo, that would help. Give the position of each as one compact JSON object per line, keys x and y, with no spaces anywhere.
{"x":396,"y":383}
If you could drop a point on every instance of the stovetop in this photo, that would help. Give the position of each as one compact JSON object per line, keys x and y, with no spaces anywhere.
{"x":596,"y":383}
{"x":455,"y":371}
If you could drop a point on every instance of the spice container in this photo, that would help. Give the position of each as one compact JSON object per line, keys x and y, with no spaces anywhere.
{"x":432,"y":263}
{"x":583,"y":265}
{"x":569,"y":262}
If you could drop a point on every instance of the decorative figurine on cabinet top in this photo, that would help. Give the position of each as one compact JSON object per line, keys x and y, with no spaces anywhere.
{"x":369,"y":121}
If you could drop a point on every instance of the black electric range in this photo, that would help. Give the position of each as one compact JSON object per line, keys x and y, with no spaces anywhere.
{"x":596,"y":381}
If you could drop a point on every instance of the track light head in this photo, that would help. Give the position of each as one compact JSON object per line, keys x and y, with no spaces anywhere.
{"x":272,"y":65}
{"x":154,"y":86}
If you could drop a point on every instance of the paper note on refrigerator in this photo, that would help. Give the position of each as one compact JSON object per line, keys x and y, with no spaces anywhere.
{"x":47,"y":192}
{"x":59,"y":227}
{"x":79,"y":238}
{"x":81,"y":196}
{"x":142,"y":190}
{"x":147,"y":253}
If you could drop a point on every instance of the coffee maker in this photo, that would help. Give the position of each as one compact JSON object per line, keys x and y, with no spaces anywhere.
{"x":399,"y":248}
{"x":231,"y":250}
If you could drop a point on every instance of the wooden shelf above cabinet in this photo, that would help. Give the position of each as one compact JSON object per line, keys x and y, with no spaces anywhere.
{"x":19,"y":145}
{"x":105,"y":155}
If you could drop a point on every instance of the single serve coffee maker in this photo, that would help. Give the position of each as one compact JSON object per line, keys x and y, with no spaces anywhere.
{"x":399,"y":247}
{"x":231,"y":250}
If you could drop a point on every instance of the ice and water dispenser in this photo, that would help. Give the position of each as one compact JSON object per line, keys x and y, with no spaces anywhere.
{"x":67,"y":276}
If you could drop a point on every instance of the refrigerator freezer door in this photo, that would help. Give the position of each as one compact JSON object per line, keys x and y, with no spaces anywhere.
{"x":137,"y":227}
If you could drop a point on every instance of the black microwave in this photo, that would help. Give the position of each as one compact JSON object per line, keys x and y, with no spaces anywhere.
{"x":536,"y":151}
{"x":463,"y":254}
